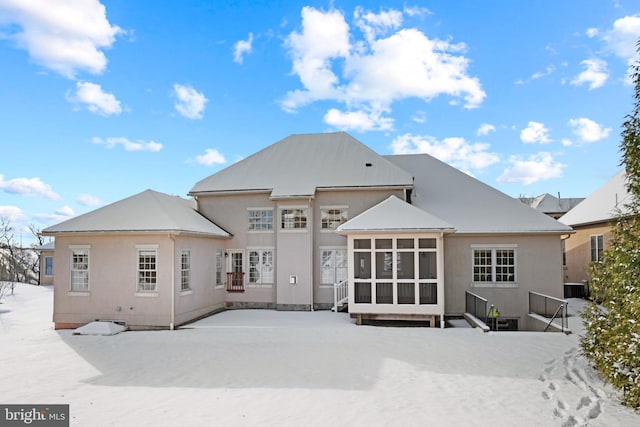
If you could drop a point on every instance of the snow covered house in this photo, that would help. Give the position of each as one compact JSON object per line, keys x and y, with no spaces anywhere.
{"x":591,"y":220}
{"x":406,"y":236}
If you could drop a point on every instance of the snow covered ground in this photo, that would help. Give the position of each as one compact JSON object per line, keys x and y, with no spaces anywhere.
{"x":260,"y":367}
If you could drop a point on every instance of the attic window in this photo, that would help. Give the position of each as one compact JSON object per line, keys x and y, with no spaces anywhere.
{"x":368,"y":164}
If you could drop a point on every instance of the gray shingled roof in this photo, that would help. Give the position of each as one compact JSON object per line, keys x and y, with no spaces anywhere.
{"x":468,"y":204}
{"x":149,"y":211}
{"x":299,"y":164}
{"x":394,"y":214}
{"x":604,"y":204}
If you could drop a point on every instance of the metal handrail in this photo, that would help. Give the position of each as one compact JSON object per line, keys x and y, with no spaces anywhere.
{"x":554,"y":317}
{"x":562,"y":309}
{"x":472,"y":308}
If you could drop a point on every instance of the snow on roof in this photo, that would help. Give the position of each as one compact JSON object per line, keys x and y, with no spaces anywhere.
{"x":547,"y":203}
{"x":47,"y":246}
{"x":100,"y":328}
{"x":604,"y":204}
{"x":394,"y":214}
{"x":146,"y":211}
{"x":468,"y":204}
{"x":300,"y":164}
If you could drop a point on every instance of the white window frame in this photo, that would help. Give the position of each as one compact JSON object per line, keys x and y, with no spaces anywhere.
{"x":493,"y":282}
{"x":270,"y":275}
{"x":329,"y":221}
{"x":73,"y":287}
{"x":251,"y":225}
{"x":140,"y":249}
{"x":219,"y":273}
{"x":599,"y":238}
{"x":334,"y":266}
{"x":304,"y":214}
{"x":185,"y":270}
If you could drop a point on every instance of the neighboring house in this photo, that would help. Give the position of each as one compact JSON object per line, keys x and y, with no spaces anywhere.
{"x":591,"y":221}
{"x":46,"y":263}
{"x":550,"y":205}
{"x":409,"y":234}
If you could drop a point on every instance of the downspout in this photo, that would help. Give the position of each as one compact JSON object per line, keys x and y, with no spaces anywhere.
{"x":173,"y":282}
{"x":312,"y":231}
{"x":441,"y":275}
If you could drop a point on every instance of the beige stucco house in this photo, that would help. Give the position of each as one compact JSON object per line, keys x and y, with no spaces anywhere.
{"x":406,"y":235}
{"x":591,"y":220}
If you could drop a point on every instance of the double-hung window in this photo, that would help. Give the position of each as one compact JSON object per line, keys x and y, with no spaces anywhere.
{"x":147,"y":270}
{"x":597,"y":246}
{"x":219,"y":259}
{"x":293,"y":218}
{"x":261,"y":267}
{"x":79,"y":269}
{"x":494,"y":265}
{"x":260,"y":219}
{"x":48,"y":266}
{"x":333,"y":266}
{"x":185,"y":270}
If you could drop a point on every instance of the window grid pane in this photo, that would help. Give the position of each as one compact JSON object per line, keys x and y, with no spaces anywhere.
{"x":505,"y":265}
{"x":261,"y":220}
{"x":482,"y":269}
{"x":80,"y":270}
{"x":261,"y":267}
{"x":330,"y":219}
{"x":147,"y":275}
{"x":292,"y":219}
{"x":185,"y":267}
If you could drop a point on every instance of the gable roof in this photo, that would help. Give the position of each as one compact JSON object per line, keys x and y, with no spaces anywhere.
{"x":603,"y":205}
{"x":547,"y":203}
{"x":300,"y":164}
{"x":394,"y":214}
{"x":149,"y":211}
{"x":468,"y":204}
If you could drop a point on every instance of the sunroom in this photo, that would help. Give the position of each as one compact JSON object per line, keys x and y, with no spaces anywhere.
{"x":396,"y":263}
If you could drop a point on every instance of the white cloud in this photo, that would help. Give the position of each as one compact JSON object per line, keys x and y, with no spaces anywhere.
{"x":417,"y":11}
{"x":63,"y":35}
{"x":358,"y":120}
{"x":127,"y":144}
{"x":65,"y":211}
{"x":419,"y":117}
{"x":12,"y":213}
{"x":242,"y":47}
{"x":566,"y":142}
{"x":28,"y":187}
{"x":370,"y":74}
{"x":485,"y":129}
{"x":548,"y":71}
{"x":535,"y":132}
{"x":191,"y":103}
{"x":622,"y":37}
{"x":596,"y":74}
{"x":376,"y":24}
{"x":89,"y":200}
{"x":592,"y":32}
{"x":454,"y":151}
{"x":588,"y":130}
{"x":538,"y":167}
{"x":211,"y":157}
{"x":95,"y":99}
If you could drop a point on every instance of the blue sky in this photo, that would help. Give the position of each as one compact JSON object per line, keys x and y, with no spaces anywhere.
{"x":102,"y":100}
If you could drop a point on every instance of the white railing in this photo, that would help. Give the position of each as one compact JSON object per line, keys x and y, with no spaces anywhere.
{"x":340,"y":294}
